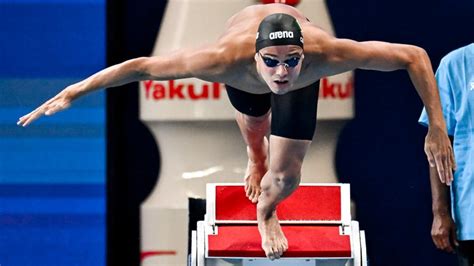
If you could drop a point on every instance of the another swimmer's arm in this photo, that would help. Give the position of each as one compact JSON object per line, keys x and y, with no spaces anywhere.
{"x":343,"y":55}
{"x":205,"y":63}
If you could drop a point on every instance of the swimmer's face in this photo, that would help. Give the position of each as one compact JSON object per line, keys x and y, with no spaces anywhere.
{"x":279,"y":66}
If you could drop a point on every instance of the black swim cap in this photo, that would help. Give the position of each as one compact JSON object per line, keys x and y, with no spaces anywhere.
{"x":278,"y":29}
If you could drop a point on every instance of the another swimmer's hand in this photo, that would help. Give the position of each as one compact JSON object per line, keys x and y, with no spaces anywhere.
{"x":58,"y":103}
{"x":440,"y":154}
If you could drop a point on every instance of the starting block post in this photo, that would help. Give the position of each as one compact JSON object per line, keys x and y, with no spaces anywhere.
{"x":316,"y":220}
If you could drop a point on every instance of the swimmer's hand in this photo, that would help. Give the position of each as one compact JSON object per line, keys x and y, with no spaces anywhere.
{"x":58,"y":103}
{"x":440,"y":153}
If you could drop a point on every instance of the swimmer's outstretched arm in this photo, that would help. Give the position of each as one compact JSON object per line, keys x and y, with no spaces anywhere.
{"x":343,"y":55}
{"x":205,"y":63}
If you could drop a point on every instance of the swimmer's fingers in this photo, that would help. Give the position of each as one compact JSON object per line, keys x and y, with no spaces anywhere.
{"x":29,"y":118}
{"x":53,"y":105}
{"x":56,"y":107}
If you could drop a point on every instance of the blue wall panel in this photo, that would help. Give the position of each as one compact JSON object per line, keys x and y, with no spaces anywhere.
{"x":52,"y":173}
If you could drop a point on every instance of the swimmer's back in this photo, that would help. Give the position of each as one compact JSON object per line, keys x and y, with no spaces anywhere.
{"x":242,"y":27}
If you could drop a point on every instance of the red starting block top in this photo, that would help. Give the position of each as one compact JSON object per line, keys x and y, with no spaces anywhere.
{"x":307,"y":203}
{"x":304,"y":241}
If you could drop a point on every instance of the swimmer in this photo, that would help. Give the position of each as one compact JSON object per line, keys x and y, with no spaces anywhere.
{"x":271,"y":58}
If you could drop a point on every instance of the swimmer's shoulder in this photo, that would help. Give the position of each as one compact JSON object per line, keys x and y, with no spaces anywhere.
{"x":316,"y":40}
{"x":237,"y":49}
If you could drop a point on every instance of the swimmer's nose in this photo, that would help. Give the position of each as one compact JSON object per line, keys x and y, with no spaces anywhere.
{"x":282,"y":71}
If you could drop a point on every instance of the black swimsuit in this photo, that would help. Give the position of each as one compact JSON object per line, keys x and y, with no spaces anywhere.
{"x":293,"y":114}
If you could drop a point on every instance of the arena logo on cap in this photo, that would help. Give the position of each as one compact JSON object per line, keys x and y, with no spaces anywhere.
{"x":280,"y":35}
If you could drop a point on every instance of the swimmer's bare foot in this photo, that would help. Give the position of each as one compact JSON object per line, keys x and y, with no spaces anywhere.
{"x":257,"y":167}
{"x":274,"y":242}
{"x":253,"y":176}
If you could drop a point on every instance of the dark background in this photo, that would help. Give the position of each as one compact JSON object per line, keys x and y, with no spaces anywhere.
{"x":380,"y":152}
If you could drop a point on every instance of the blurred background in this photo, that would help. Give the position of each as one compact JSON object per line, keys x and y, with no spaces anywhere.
{"x":71,"y":185}
{"x":52,"y":175}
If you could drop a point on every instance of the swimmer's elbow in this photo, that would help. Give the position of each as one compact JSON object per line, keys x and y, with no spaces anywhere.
{"x":142,"y":67}
{"x":154,"y":68}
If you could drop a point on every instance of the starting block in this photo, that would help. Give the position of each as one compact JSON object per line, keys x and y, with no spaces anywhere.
{"x":316,"y":220}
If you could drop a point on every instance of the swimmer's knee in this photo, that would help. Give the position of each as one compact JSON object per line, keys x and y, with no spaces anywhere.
{"x":288,"y":181}
{"x":285,"y":182}
{"x":275,"y":188}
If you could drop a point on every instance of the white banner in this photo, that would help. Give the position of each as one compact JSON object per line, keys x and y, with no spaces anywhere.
{"x":194,"y":99}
